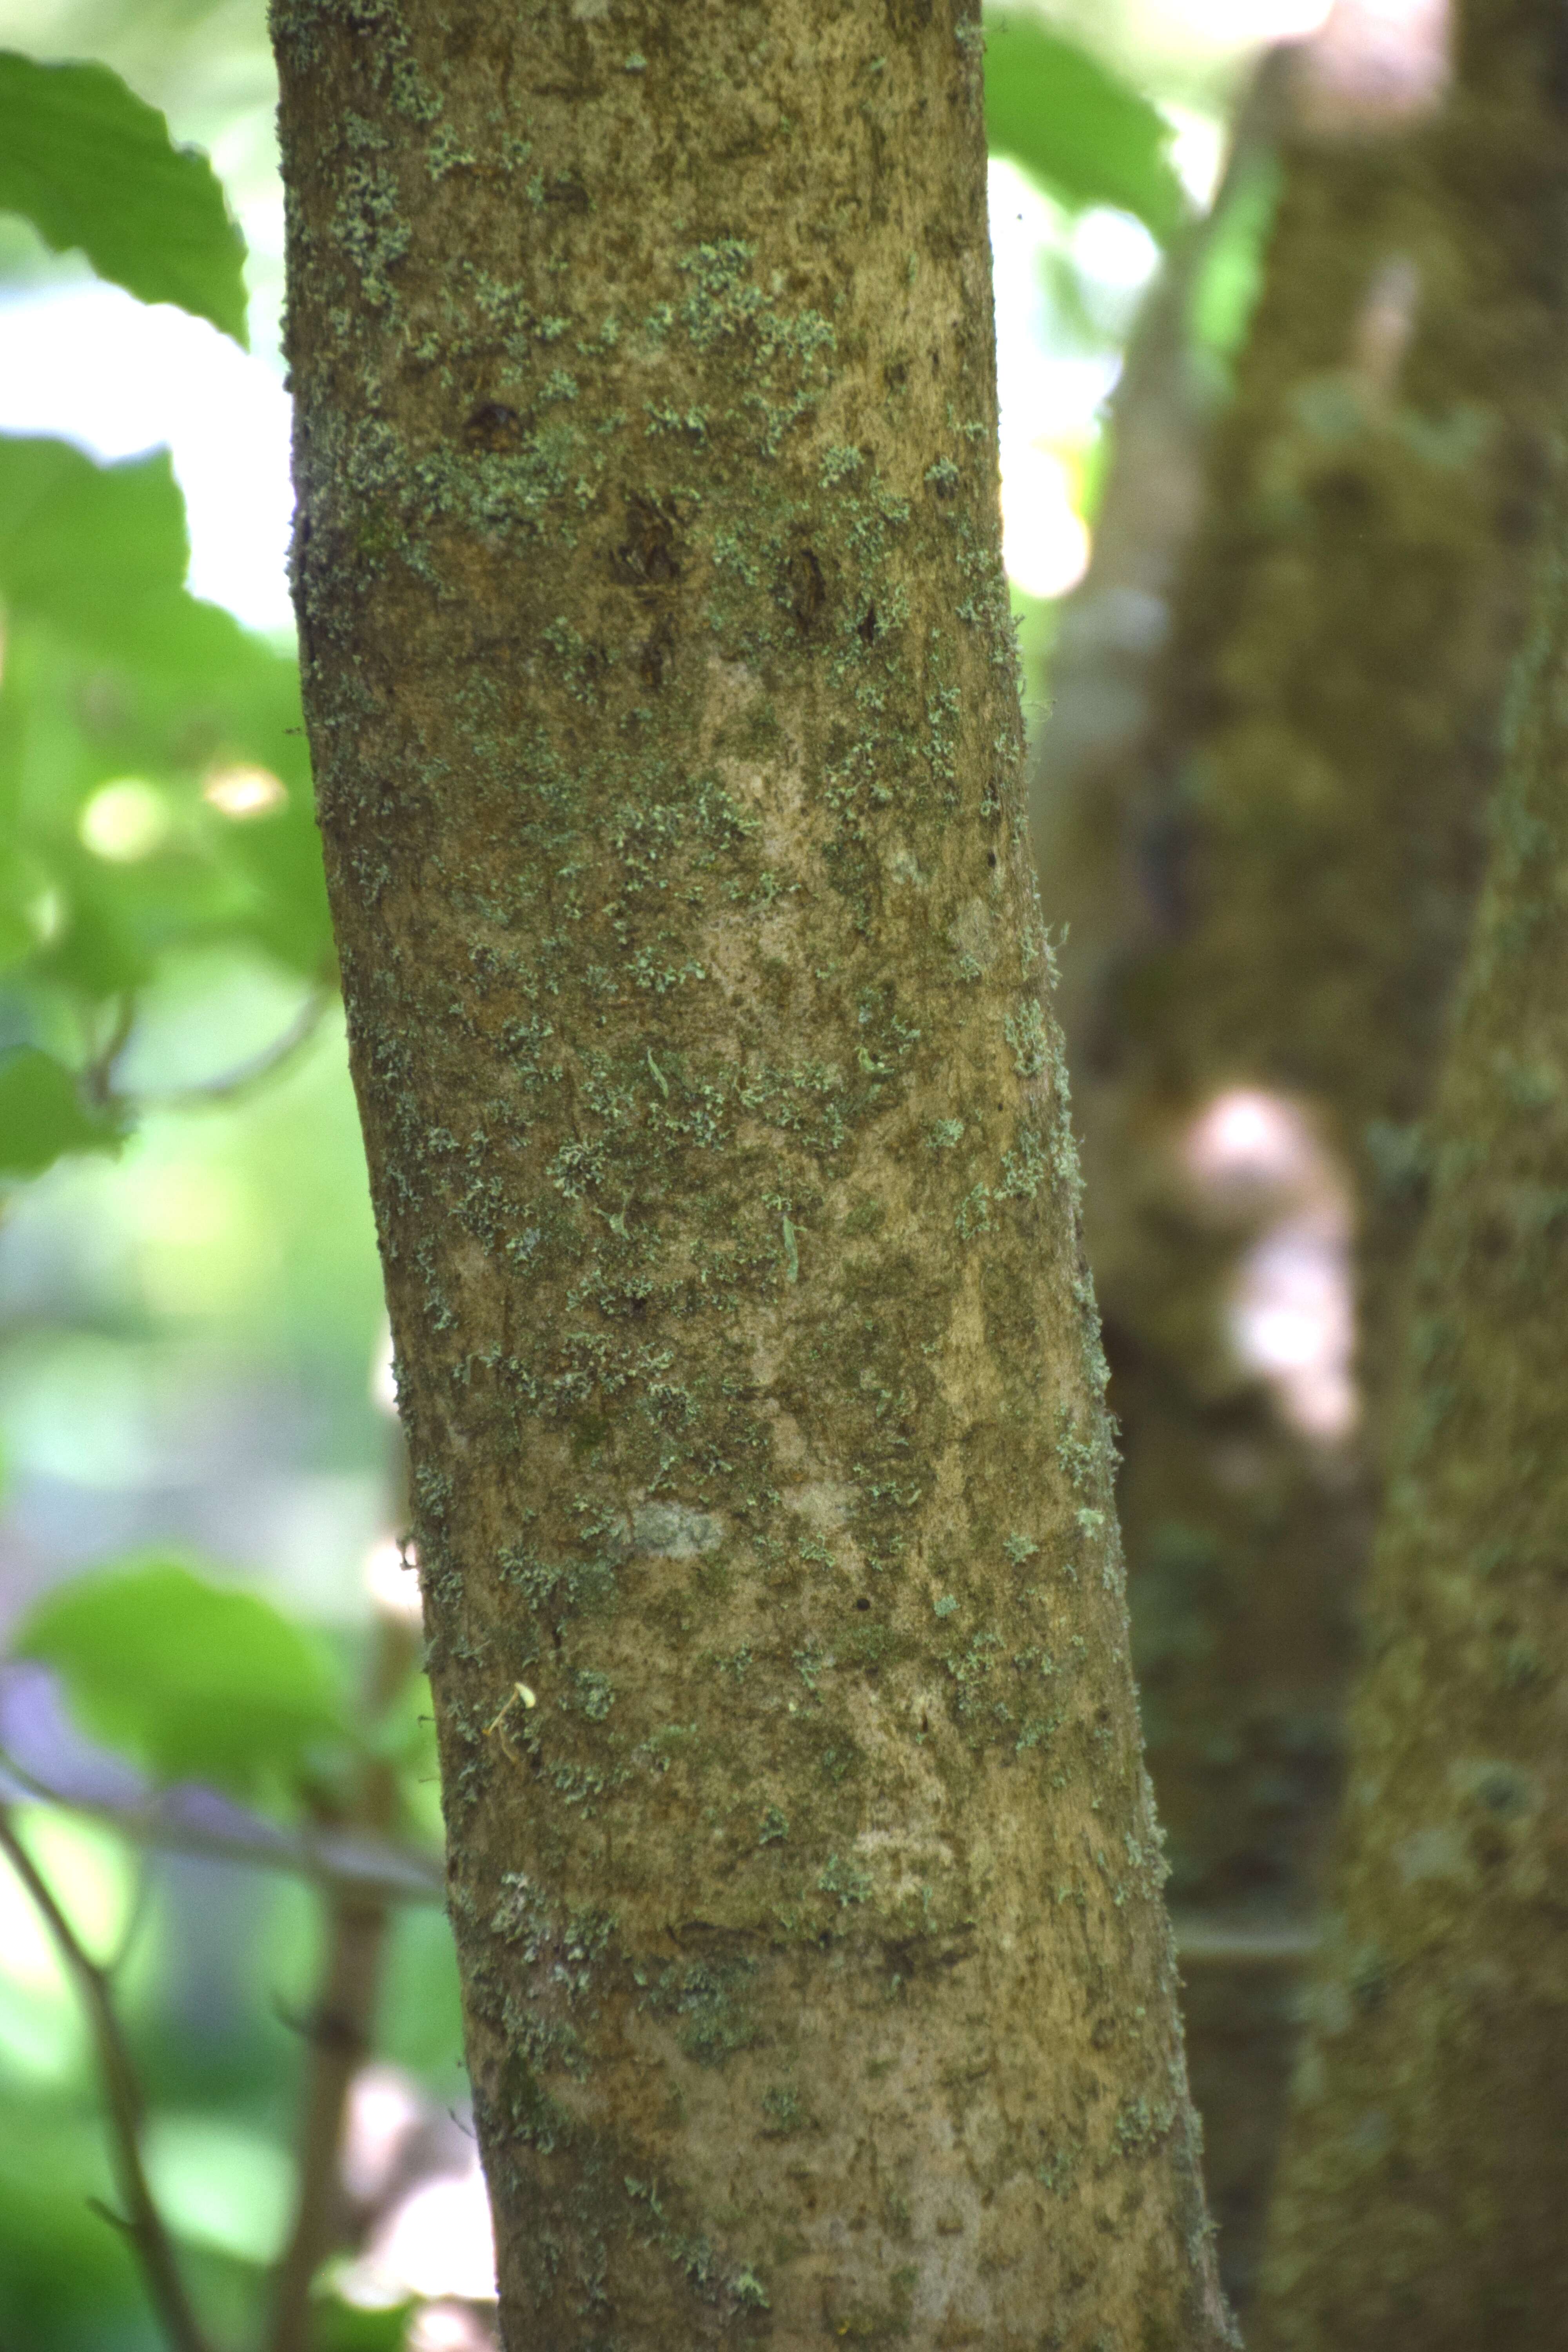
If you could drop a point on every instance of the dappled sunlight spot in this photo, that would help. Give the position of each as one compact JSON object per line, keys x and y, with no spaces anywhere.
{"x":435,"y":2242}
{"x":384,"y":2110}
{"x":46,"y":913}
{"x":195,"y":1225}
{"x":194,"y":1206}
{"x":447,"y":2327}
{"x":1291,"y":1320}
{"x":1376,"y":64}
{"x":1044,"y":540}
{"x":384,"y":1373}
{"x":1236,"y":22}
{"x":392,"y":1581}
{"x":43,"y":2037}
{"x":91,"y":1881}
{"x":221,"y":2185}
{"x":1247,"y":1142}
{"x":1256,"y":1155}
{"x":124,"y":821}
{"x":243,"y":791}
{"x":1197,"y":150}
{"x":1113,"y":247}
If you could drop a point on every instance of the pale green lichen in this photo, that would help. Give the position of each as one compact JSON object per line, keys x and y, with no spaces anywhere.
{"x":706,"y":732}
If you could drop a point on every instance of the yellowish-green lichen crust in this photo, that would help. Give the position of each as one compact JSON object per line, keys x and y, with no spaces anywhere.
{"x":662,"y":695}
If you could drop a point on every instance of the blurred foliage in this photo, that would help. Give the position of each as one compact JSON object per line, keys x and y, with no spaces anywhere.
{"x":194,"y":1681}
{"x":43,"y":1116}
{"x":90,"y":165}
{"x":189,"y":1236}
{"x":155,"y":816}
{"x":1082,"y":131}
{"x":1230,"y":279}
{"x":154,"y":787}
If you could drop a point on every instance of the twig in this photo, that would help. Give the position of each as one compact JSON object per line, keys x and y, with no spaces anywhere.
{"x":245,"y":1074}
{"x":340,"y":2026}
{"x":142,"y":2222}
{"x":98,"y":1078}
{"x":338,"y":2033}
{"x":1161,"y":415}
{"x":342,"y":1860}
{"x":1219,"y":1942}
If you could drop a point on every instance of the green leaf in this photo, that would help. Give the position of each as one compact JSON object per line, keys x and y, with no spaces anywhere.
{"x":1090,"y":137}
{"x":339,"y":2326}
{"x":90,"y":165}
{"x":42,"y":1116}
{"x":113,"y":670}
{"x":99,"y":551}
{"x":194,"y":1680}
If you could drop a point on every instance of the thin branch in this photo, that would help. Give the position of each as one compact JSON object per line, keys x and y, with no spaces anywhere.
{"x":1161,"y":418}
{"x":238,"y":1081}
{"x":346,"y":1861}
{"x":98,"y":1078}
{"x":341,"y":2023}
{"x":135,"y":1919}
{"x":142,"y":2222}
{"x":338,"y":2034}
{"x":1219,"y":1942}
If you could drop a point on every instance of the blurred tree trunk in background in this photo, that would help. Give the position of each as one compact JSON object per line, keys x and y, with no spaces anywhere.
{"x":1424,"y":2174}
{"x":662,"y":698}
{"x":1268,"y":874}
{"x":1168,"y":398}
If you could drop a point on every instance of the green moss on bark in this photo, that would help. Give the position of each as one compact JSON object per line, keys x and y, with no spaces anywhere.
{"x":1271,"y":888}
{"x":665,"y":714}
{"x":1421,"y":2187}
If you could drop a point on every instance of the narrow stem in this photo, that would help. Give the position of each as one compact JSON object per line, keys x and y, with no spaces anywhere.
{"x":342,"y":1859}
{"x":247,"y":1075}
{"x":98,"y":1078}
{"x":339,"y":2035}
{"x":142,"y":2222}
{"x":341,"y":2028}
{"x":1226,"y":1943}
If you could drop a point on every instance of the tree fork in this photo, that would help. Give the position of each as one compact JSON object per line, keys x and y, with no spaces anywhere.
{"x":662,"y":698}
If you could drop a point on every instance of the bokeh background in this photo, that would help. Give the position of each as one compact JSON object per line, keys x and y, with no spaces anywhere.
{"x":191,"y":1346}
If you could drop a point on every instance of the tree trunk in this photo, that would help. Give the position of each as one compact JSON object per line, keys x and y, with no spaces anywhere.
{"x":1105,"y":658}
{"x":1424,"y":2173}
{"x":663,"y":703}
{"x":1291,"y":849}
